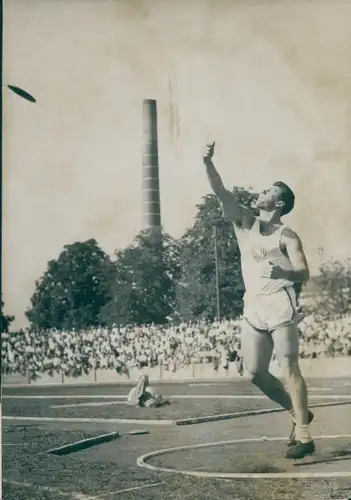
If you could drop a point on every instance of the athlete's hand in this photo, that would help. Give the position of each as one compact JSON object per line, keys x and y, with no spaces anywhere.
{"x":275,"y":272}
{"x":209,"y":152}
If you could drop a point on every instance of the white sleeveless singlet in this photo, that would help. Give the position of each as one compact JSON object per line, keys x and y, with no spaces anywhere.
{"x":257,"y":252}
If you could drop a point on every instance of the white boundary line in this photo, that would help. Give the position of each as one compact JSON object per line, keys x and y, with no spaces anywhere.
{"x":89,"y":420}
{"x":103,"y":495}
{"x":318,"y":389}
{"x":100,"y":403}
{"x":249,"y":413}
{"x":142,"y":462}
{"x":64,"y":396}
{"x":253,"y":396}
{"x":175,"y":396}
{"x":209,"y":384}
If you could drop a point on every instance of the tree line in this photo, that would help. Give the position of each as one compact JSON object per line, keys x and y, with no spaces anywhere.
{"x":155,"y":279}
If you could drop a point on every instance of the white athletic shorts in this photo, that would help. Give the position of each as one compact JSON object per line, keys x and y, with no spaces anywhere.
{"x":269,"y":312}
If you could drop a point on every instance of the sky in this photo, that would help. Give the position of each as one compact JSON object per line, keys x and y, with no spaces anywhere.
{"x":267,"y":80}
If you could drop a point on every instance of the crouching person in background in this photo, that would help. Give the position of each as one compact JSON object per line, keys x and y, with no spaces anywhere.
{"x":143,"y":395}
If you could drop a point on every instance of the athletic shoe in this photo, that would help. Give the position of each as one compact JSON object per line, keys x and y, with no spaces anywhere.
{"x":292,"y":440}
{"x":300,"y":450}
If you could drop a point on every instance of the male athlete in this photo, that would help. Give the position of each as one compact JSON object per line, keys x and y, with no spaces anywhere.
{"x":272,"y":261}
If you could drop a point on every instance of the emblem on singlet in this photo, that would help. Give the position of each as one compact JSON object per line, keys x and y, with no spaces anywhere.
{"x":258,"y":254}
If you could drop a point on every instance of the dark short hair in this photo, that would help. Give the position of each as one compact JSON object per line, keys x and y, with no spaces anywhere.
{"x":288,"y":197}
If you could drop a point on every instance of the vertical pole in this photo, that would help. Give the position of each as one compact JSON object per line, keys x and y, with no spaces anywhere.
{"x":217,"y":272}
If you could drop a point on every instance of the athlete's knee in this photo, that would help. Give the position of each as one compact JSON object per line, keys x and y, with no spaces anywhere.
{"x":290,"y":367}
{"x":256,"y":375}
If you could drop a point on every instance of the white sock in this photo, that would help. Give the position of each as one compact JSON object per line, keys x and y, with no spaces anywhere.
{"x":303,"y":434}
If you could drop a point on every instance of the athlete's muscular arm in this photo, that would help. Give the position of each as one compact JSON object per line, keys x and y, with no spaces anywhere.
{"x":292,"y":245}
{"x":239,"y":215}
{"x":296,"y":254}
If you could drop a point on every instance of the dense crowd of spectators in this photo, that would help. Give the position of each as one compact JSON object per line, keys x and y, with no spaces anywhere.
{"x":75,"y":353}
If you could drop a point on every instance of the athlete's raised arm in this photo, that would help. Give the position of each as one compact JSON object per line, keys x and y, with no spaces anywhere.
{"x":238,"y":214}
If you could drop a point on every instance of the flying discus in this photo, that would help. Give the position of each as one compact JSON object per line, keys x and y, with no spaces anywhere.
{"x":21,"y":93}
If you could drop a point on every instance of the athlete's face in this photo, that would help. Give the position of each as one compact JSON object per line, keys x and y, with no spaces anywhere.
{"x":269,"y":199}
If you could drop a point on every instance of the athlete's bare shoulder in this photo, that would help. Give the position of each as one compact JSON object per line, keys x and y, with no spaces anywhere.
{"x":289,"y":236}
{"x":288,"y":232}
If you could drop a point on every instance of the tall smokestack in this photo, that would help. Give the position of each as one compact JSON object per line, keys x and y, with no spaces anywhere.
{"x":151,"y":184}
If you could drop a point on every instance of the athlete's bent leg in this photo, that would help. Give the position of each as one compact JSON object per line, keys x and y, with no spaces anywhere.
{"x":257,"y":348}
{"x":286,"y":345}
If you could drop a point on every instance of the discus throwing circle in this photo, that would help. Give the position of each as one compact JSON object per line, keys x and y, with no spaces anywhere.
{"x":143,"y":459}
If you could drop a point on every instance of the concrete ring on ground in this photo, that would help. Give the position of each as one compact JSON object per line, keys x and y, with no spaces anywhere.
{"x":142,"y":462}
